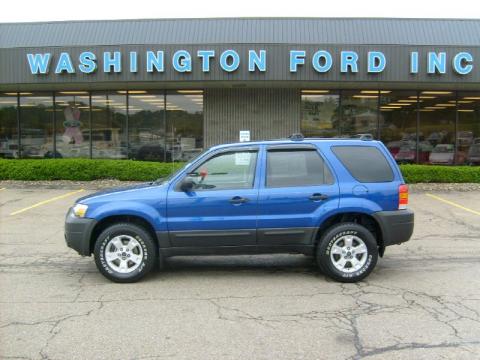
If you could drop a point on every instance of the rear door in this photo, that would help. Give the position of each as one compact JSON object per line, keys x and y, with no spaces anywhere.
{"x":298,"y":188}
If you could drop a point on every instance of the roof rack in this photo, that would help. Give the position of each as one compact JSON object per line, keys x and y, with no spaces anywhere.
{"x":296,"y":137}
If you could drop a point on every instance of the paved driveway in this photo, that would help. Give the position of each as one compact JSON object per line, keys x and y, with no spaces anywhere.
{"x":421,"y":302}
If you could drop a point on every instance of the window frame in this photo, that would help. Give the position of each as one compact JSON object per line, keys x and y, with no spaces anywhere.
{"x":203,"y":160}
{"x":302,"y":147}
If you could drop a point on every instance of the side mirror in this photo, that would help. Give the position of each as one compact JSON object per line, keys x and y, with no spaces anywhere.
{"x":187,"y":184}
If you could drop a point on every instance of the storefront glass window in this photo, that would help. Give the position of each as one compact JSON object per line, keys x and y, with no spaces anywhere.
{"x":146,"y":121}
{"x":72,"y":116}
{"x":184,"y":124}
{"x":398,"y":124}
{"x":109,"y":122}
{"x":359,"y":113}
{"x":168,"y":126}
{"x":8,"y":126}
{"x":320,"y":113}
{"x":437,"y":128}
{"x":468,"y":135}
{"x":36,"y":114}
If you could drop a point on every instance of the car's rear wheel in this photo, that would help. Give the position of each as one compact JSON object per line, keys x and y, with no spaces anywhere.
{"x":347,"y":252}
{"x":125,"y":252}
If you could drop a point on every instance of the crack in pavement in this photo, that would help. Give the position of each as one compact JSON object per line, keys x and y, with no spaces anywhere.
{"x":409,"y":346}
{"x":56,"y":329}
{"x":346,"y":318}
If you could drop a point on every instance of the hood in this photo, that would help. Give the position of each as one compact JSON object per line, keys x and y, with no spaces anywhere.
{"x":116,"y":191}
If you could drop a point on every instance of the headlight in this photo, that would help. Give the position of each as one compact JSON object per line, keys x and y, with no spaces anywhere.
{"x":80,"y":210}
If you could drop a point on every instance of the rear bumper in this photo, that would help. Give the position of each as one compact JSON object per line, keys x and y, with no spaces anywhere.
{"x":78,"y":232}
{"x":396,"y":226}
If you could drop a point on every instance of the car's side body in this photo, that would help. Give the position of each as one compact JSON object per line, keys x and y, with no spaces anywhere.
{"x":256,"y":219}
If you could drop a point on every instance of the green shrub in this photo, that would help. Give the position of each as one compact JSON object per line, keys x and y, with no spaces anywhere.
{"x":84,"y":169}
{"x":440,"y":174}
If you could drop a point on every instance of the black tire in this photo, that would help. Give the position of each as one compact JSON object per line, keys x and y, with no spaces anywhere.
{"x":328,"y":239}
{"x":147,"y":244}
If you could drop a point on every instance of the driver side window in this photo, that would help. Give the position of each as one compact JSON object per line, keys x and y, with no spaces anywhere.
{"x":229,"y":170}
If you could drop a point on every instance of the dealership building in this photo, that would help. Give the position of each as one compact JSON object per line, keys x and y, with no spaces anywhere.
{"x":166,"y":89}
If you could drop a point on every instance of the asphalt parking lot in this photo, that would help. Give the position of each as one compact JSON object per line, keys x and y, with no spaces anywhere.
{"x":421,"y":302}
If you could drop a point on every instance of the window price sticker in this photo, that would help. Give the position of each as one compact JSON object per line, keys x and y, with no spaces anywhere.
{"x":242,"y":159}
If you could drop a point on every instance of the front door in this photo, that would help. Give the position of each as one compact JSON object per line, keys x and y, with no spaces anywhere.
{"x":221,"y":209}
{"x":298,"y":189}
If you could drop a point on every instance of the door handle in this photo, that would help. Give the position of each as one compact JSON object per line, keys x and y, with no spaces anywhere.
{"x":318,"y":197}
{"x":238,"y":200}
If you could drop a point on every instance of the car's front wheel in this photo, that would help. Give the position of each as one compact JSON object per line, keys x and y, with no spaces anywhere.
{"x":125,"y":252}
{"x":347,"y":252}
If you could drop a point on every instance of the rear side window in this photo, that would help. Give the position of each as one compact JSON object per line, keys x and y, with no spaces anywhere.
{"x":365,"y":163}
{"x":291,"y":167}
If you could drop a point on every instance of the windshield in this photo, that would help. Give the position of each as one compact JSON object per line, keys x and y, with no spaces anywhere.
{"x":474,"y":150}
{"x":443,"y":149}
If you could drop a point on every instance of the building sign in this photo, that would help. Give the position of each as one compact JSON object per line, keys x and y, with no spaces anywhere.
{"x":153,"y":61}
{"x":229,"y":61}
{"x":244,"y":135}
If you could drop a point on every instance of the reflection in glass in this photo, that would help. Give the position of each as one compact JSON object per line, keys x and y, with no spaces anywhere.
{"x":437,"y":128}
{"x":72,"y":115}
{"x":184,"y":136}
{"x":8,"y":127}
{"x":359,"y":113}
{"x":36,"y":114}
{"x":169,"y":126}
{"x":468,"y":136}
{"x":398,"y":124}
{"x":320,"y":113}
{"x":109,"y":122}
{"x":146,"y":121}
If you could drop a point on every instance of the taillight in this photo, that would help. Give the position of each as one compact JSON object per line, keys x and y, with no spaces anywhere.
{"x":402,"y":197}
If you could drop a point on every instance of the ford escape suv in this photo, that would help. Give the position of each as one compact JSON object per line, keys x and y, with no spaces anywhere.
{"x":340,"y":200}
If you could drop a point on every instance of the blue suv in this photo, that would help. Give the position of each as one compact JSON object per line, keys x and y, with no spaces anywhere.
{"x":340,"y":200}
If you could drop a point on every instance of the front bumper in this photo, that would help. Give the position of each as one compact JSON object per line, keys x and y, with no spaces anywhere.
{"x":396,"y":226}
{"x":78,"y":232}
